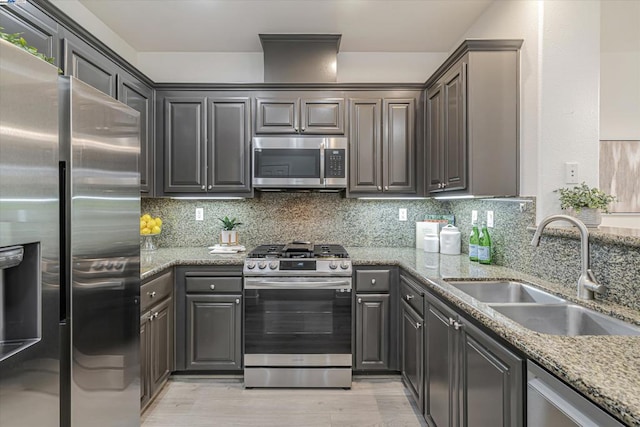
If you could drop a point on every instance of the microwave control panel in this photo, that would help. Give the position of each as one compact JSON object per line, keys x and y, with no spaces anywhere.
{"x":335,"y":163}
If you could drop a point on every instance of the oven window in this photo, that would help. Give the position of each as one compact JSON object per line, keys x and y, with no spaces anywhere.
{"x":287,"y":163}
{"x":297,"y":321}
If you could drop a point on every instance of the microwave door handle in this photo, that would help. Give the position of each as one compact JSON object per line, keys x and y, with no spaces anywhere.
{"x":322,"y":163}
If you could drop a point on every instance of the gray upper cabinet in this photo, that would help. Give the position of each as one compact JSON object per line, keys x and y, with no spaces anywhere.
{"x":313,"y":116}
{"x":140,"y":97}
{"x":184,"y":144}
{"x":472,"y":121}
{"x":382,"y":135}
{"x":89,"y":65}
{"x":38,"y":29}
{"x":229,"y":152}
{"x":206,"y":144}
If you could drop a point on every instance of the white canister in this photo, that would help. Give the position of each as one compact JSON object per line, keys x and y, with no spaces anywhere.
{"x":431,"y":243}
{"x":450,"y":240}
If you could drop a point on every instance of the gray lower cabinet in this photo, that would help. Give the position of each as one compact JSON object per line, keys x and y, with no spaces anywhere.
{"x":412,"y":359}
{"x":206,"y":144}
{"x":471,"y":379}
{"x":209,"y":318}
{"x":382,"y":135}
{"x":311,"y":116}
{"x":472,"y":121}
{"x":372,"y":332}
{"x":140,"y":97}
{"x":213,"y":332}
{"x":156,"y":335}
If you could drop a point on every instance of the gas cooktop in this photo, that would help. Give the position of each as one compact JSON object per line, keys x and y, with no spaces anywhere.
{"x":299,"y":249}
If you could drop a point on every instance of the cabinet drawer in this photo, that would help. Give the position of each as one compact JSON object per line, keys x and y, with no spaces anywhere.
{"x":155,"y":290}
{"x":412,"y":294}
{"x":372,"y":280}
{"x":213,"y":284}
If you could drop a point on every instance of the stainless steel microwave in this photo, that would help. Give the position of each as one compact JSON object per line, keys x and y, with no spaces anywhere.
{"x":300,"y":163}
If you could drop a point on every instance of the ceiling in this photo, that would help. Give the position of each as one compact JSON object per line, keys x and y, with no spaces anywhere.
{"x":234,"y":25}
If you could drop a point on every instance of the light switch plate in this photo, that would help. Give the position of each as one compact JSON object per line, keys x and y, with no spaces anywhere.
{"x":490,"y":219}
{"x":402,"y":214}
{"x":474,"y":216}
{"x":199,"y":214}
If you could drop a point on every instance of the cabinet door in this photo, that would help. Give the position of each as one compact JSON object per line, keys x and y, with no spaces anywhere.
{"x":140,"y":97}
{"x":440,"y":366}
{"x":365,"y":174}
{"x":184,"y":145}
{"x":277,"y":115}
{"x":161,"y":330}
{"x":455,"y":128}
{"x":229,"y":136}
{"x":213,"y":332}
{"x":398,"y":146}
{"x":87,"y":64}
{"x":372,"y":331}
{"x":322,"y":116}
{"x":412,"y":353}
{"x":491,"y":382}
{"x":144,"y":360}
{"x":434,"y":131}
{"x":38,"y":29}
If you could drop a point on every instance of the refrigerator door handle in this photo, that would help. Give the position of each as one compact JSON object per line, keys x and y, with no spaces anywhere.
{"x":64,"y":250}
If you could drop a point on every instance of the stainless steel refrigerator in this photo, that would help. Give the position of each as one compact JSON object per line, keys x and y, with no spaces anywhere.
{"x":69,"y":250}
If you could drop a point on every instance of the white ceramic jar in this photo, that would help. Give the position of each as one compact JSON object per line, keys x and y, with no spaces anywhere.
{"x":450,"y":240}
{"x":431,"y":243}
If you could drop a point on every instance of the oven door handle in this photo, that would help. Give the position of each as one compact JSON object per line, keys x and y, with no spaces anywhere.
{"x":329,"y":284}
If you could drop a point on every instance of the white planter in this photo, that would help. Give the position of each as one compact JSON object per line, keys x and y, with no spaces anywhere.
{"x":591,"y":217}
{"x":228,"y":237}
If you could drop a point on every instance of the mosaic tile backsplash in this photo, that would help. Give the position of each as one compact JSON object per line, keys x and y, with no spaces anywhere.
{"x":331,"y":218}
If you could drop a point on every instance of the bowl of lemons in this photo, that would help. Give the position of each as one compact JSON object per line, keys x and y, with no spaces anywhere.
{"x":149,"y":227}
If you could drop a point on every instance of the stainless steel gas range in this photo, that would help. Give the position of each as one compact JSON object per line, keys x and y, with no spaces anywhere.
{"x":297,"y":324}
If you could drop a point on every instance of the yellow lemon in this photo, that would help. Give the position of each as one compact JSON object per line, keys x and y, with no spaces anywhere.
{"x":143,"y":224}
{"x":158,"y":222}
{"x":145,"y":230}
{"x":151,"y":223}
{"x":146,"y":217}
{"x":155,"y":230}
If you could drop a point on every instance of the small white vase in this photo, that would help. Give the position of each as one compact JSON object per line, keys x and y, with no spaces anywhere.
{"x":229,"y":237}
{"x":591,"y":217}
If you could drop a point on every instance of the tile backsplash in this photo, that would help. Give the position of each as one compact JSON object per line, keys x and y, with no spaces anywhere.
{"x":331,"y":218}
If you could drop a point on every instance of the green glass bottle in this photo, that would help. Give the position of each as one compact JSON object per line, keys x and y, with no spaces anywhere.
{"x":474,"y":241}
{"x":484,"y":246}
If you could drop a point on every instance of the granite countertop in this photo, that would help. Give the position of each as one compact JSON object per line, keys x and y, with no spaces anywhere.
{"x":604,"y":368}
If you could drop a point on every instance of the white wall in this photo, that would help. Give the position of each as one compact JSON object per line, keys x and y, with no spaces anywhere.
{"x":620,"y":70}
{"x":560,"y":69}
{"x":76,"y":11}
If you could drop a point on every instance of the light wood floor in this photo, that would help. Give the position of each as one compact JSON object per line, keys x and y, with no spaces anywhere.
{"x":198,"y":401}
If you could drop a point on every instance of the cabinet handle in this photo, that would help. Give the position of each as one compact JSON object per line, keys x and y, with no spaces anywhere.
{"x":373,"y":281}
{"x":203,"y":187}
{"x":237,"y":300}
{"x":210,"y":187}
{"x":444,"y":185}
{"x":418,"y":325}
{"x":302,"y":129}
{"x":295,"y":128}
{"x":151,"y":294}
{"x":379,"y":188}
{"x":408,"y":297}
{"x":386,"y":188}
{"x":451,"y":321}
{"x":359,"y":300}
{"x":212,"y":287}
{"x":457,"y":325}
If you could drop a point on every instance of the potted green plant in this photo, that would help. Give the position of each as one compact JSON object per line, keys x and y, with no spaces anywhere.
{"x":228,"y":234}
{"x":585,"y":203}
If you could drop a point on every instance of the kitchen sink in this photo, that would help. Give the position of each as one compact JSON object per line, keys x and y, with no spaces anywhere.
{"x":497,"y":291}
{"x":565,"y":319}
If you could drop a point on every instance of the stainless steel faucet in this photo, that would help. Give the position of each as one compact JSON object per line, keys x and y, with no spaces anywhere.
{"x":587,"y":283}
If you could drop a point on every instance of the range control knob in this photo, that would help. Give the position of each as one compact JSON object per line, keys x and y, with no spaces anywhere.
{"x":333,"y":265}
{"x":251,"y":265}
{"x":262,"y":265}
{"x":344,"y":265}
{"x":273,"y":265}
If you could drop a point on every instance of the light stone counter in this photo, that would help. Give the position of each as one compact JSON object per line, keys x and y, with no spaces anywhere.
{"x":604,"y":368}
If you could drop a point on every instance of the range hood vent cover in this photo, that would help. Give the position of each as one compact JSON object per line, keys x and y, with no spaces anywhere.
{"x":300,"y":58}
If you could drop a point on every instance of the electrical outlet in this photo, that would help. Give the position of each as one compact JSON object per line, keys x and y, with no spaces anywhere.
{"x":402,"y":214}
{"x":490,"y":219}
{"x":474,"y":217}
{"x":571,"y":172}
{"x":199,"y":214}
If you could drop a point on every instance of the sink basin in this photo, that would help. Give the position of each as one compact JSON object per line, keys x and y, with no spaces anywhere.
{"x":565,"y":319}
{"x":505,"y":292}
